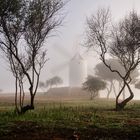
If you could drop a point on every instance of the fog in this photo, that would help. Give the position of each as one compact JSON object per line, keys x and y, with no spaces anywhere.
{"x":69,"y":40}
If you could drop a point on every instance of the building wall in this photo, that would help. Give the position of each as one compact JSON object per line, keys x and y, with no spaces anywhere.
{"x":77,"y":72}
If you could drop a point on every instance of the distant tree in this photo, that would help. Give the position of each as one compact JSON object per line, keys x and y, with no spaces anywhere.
{"x":104,"y":73}
{"x":0,"y":90}
{"x":120,"y":41}
{"x":54,"y":81}
{"x":94,"y":85}
{"x":24,"y":27}
{"x":137,"y":85}
{"x":42,"y":85}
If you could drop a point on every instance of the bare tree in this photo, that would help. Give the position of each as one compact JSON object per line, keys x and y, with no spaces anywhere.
{"x":94,"y":85}
{"x":24,"y":27}
{"x":121,"y":42}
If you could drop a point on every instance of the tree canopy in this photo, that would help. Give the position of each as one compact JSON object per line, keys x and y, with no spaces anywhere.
{"x":94,"y":85}
{"x":120,"y":41}
{"x":54,"y":81}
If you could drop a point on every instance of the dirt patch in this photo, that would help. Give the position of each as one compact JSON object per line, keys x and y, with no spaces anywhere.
{"x":33,"y":131}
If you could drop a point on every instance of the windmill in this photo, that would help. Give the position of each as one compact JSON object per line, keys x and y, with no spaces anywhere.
{"x":77,"y":71}
{"x":76,"y":64}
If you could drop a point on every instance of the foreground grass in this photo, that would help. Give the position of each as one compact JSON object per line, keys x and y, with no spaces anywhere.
{"x":81,"y":116}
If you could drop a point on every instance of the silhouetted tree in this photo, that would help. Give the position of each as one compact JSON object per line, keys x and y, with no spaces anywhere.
{"x":120,"y":42}
{"x":94,"y":85}
{"x":54,"y":81}
{"x":24,"y":27}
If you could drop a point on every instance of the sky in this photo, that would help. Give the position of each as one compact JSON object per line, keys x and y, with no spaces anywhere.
{"x":69,"y":37}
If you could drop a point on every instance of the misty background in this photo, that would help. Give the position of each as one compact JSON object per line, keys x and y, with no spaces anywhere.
{"x":69,"y":39}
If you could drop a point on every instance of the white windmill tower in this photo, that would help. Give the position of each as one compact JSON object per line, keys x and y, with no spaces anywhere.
{"x":77,"y":71}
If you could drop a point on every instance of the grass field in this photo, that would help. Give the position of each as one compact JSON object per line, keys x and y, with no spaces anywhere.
{"x":64,"y":119}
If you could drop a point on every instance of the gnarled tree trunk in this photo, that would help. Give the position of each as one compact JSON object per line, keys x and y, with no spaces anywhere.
{"x":121,"y":105}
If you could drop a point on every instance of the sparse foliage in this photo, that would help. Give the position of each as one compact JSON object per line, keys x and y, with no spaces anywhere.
{"x":54,"y":81}
{"x":24,"y":27}
{"x":94,"y":85}
{"x":121,"y":42}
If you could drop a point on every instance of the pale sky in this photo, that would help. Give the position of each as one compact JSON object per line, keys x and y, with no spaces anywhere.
{"x":70,"y":36}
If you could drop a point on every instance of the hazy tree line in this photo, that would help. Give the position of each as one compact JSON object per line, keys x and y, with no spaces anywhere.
{"x":54,"y":81}
{"x":26,"y":24}
{"x":112,"y":82}
{"x":113,"y":79}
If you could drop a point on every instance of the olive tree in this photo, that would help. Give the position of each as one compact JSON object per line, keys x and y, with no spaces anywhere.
{"x":94,"y":85}
{"x":54,"y":81}
{"x":121,"y":41}
{"x":24,"y":27}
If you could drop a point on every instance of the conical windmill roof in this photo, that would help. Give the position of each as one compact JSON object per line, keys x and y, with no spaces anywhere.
{"x":77,"y":56}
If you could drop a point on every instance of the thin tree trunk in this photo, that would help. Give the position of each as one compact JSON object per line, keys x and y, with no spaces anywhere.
{"x":109,"y":90}
{"x":123,"y":93}
{"x":16,"y":94}
{"x":121,"y":105}
{"x":32,"y":102}
{"x":124,"y":102}
{"x":31,"y":106}
{"x":118,"y":104}
{"x":23,"y":95}
{"x":91,"y":97}
{"x":114,"y":89}
{"x":20,"y":92}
